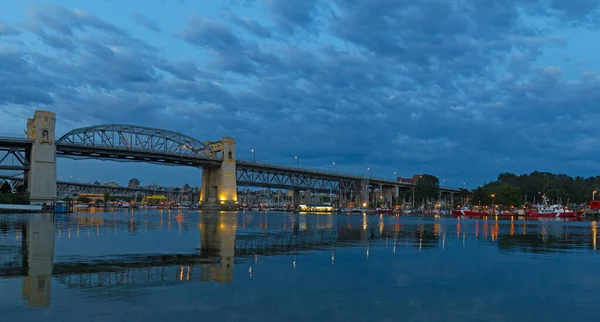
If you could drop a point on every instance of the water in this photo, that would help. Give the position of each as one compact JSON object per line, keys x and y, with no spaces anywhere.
{"x":170,"y":265}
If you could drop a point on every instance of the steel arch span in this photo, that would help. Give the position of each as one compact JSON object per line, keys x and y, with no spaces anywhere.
{"x":138,"y":138}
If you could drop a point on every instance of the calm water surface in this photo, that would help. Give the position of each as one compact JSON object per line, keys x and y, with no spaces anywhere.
{"x":175,"y":265}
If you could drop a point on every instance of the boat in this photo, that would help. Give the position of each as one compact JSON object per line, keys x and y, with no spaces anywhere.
{"x":384,"y":210}
{"x":465,"y":211}
{"x":545,"y":210}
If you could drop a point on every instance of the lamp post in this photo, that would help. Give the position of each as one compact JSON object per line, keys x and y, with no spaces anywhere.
{"x":413,"y":191}
{"x":335,"y":164}
{"x":594,"y":194}
{"x":253,"y":154}
{"x":493,"y":208}
{"x":297,"y":161}
{"x":370,"y":172}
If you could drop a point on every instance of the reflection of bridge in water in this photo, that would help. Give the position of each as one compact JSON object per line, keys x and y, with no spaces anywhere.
{"x":222,"y":240}
{"x":225,"y":240}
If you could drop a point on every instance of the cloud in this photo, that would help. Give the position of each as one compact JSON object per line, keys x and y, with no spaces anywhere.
{"x":6,"y":30}
{"x":450,"y":88}
{"x":146,"y":23}
{"x":250,"y":25}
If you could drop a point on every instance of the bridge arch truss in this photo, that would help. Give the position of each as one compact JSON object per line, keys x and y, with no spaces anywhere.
{"x":119,"y":137}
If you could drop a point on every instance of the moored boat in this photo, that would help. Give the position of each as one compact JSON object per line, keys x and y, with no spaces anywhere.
{"x":551,"y":211}
{"x":465,"y":211}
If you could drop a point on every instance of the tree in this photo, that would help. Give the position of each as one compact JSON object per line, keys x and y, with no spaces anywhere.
{"x":106,"y":196}
{"x":427,"y":187}
{"x":5,"y":188}
{"x":84,"y":199}
{"x":508,"y":195}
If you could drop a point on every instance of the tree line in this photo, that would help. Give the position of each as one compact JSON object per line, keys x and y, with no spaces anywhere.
{"x":514,"y":190}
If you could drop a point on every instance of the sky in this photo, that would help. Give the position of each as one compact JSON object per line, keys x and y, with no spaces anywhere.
{"x":462,"y":89}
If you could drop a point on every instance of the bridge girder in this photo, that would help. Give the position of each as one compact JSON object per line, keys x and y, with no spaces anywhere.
{"x":290,"y":181}
{"x":122,"y":137}
{"x":13,"y":153}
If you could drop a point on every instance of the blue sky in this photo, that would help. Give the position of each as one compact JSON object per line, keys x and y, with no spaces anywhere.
{"x":460,"y":89}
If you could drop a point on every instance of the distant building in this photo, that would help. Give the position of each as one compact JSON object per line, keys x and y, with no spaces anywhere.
{"x":111,"y":184}
{"x":153,"y":186}
{"x":134,"y":183}
{"x":409,"y":180}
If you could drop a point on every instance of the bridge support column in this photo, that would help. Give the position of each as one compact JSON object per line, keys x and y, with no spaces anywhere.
{"x":41,"y":177}
{"x":364,"y":193}
{"x":388,"y":196}
{"x":219,"y":185}
{"x":307,"y":197}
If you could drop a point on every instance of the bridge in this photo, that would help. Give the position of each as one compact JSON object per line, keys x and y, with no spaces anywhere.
{"x":73,"y":188}
{"x":222,"y":172}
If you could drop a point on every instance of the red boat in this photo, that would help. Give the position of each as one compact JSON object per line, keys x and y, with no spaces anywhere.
{"x":551,"y":211}
{"x":466,"y":212}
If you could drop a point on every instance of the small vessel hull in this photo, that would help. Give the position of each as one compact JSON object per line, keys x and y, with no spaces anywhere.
{"x":566,"y":214}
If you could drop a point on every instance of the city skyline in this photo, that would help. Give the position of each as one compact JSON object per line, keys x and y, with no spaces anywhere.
{"x":461,"y":91}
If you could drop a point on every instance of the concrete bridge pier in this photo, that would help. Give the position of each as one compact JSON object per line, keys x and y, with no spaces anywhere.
{"x":364,"y":200}
{"x":296,"y":197}
{"x":388,"y":196}
{"x":218,"y":190}
{"x":40,"y":179}
{"x":307,"y":197}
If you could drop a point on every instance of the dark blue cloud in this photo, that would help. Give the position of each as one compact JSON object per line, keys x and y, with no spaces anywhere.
{"x":6,"y":30}
{"x":462,"y":89}
{"x":146,"y":23}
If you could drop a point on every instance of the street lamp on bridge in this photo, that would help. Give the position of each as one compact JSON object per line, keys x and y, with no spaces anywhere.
{"x":253,"y":154}
{"x":297,"y":161}
{"x":370,"y":172}
{"x":335,"y":164}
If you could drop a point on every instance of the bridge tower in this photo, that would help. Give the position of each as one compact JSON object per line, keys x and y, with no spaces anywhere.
{"x":218,"y":189}
{"x":40,"y":179}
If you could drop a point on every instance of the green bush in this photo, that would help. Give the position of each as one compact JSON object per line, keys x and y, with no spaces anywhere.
{"x":13,"y":199}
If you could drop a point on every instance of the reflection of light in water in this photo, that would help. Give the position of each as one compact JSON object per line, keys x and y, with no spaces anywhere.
{"x":420,"y":243}
{"x":294,"y":262}
{"x":250,"y":270}
{"x":381,"y":225}
{"x":458,"y":227}
{"x":364,"y":222}
{"x":594,"y":233}
{"x":188,"y":274}
{"x":464,"y":240}
{"x":444,"y":241}
{"x":512,"y":226}
{"x":367,"y":252}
